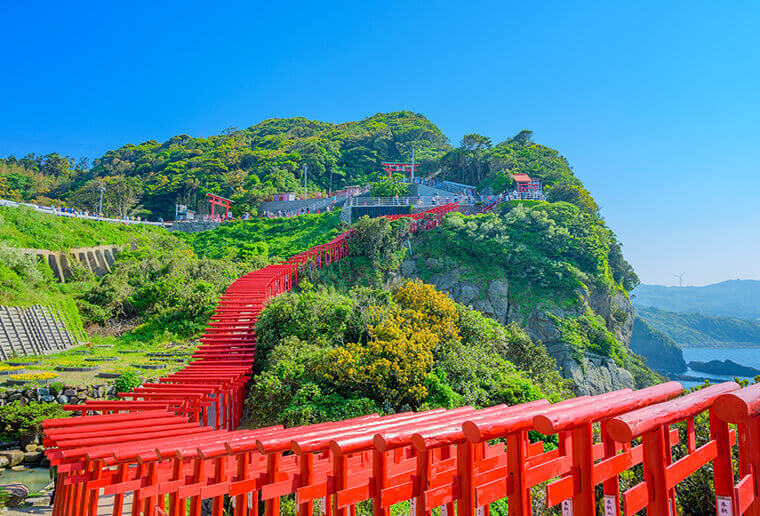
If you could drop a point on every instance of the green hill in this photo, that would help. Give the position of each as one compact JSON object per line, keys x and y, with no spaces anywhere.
{"x":734,"y":298}
{"x":251,"y":164}
{"x":697,"y":330}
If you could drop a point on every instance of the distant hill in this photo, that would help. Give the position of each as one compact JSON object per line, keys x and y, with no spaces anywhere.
{"x":662,"y":352}
{"x":734,"y":298}
{"x":697,"y":330}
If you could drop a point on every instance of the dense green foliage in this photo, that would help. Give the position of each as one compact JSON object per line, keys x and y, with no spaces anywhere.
{"x":323,"y":355}
{"x":260,"y":241}
{"x":245,"y":165}
{"x":478,"y":162}
{"x":548,"y":250}
{"x":25,"y":227}
{"x":389,"y":186}
{"x":250,"y":165}
{"x":697,"y":330}
{"x":128,"y":381}
{"x":160,"y":282}
{"x":16,"y":419}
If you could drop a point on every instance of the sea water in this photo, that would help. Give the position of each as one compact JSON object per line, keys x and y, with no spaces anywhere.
{"x":744,"y":356}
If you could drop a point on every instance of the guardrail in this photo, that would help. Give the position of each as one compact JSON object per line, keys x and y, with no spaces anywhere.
{"x":57,"y":212}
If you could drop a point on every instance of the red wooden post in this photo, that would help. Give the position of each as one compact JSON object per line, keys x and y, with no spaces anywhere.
{"x":742,"y":408}
{"x":652,"y":423}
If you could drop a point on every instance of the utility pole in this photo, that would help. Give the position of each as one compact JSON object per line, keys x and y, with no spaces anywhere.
{"x":411,"y":176}
{"x":305,"y":169}
{"x":331,"y":171}
{"x":102,"y":189}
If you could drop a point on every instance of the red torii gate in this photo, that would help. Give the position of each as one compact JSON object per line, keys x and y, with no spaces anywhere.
{"x":171,"y":443}
{"x":218,"y":200}
{"x":403,"y":168}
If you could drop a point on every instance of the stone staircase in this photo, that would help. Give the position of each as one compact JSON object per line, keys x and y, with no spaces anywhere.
{"x":34,"y":330}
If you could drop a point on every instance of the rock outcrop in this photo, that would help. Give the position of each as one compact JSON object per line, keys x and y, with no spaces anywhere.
{"x":661,"y":352}
{"x":724,"y":367}
{"x":591,"y":374}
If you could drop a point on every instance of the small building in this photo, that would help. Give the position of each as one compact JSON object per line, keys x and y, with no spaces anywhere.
{"x":286,"y":196}
{"x":527,"y":188}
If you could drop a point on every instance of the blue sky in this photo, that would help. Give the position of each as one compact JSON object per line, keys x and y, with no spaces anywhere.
{"x":655,"y":104}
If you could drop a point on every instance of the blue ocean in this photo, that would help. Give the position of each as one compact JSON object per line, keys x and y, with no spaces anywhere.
{"x":744,"y":356}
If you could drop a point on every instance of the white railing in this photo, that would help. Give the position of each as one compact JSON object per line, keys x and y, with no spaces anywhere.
{"x":77,"y":215}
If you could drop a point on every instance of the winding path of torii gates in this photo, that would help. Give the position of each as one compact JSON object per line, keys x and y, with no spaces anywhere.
{"x":172,"y":444}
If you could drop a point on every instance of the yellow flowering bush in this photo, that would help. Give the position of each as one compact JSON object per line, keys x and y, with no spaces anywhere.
{"x":391,"y":367}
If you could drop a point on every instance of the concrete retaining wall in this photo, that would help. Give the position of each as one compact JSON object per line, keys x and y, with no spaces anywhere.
{"x":33,"y":330}
{"x":98,"y":259}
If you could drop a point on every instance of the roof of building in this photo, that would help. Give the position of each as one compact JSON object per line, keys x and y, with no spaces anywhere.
{"x":522,"y":178}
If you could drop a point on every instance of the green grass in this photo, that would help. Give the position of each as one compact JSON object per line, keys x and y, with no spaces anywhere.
{"x":25,"y":227}
{"x":263,"y":240}
{"x":75,"y":357}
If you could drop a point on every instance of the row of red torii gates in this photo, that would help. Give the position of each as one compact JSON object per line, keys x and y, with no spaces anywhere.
{"x":169,"y":445}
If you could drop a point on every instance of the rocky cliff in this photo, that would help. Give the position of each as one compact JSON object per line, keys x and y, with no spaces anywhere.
{"x":591,"y":373}
{"x":662,"y":352}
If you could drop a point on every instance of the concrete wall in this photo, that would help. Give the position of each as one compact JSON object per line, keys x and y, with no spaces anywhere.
{"x":313,"y":204}
{"x":98,"y":259}
{"x":34,"y":330}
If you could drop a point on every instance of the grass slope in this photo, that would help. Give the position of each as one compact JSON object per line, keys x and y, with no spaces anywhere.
{"x":264,"y":240}
{"x":25,"y":227}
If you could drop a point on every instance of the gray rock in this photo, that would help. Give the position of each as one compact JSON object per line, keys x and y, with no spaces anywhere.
{"x":484,"y":306}
{"x":69,"y":392}
{"x":540,"y":327}
{"x":43,"y":391}
{"x":3,"y":395}
{"x":63,"y":399}
{"x":4,"y":462}
{"x":408,"y":268}
{"x":593,"y":374}
{"x":16,"y":492}
{"x":47,"y":399}
{"x":33,"y":457}
{"x":498,"y":294}
{"x":39,"y":501}
{"x":444,"y":281}
{"x":465,"y":292}
{"x":14,"y":456}
{"x":14,"y":397}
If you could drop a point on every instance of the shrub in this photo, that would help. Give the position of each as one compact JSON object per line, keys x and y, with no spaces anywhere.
{"x":16,"y":419}
{"x":127,"y":382}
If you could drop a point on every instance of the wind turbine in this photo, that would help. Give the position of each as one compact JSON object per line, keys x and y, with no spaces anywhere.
{"x":680,"y":278}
